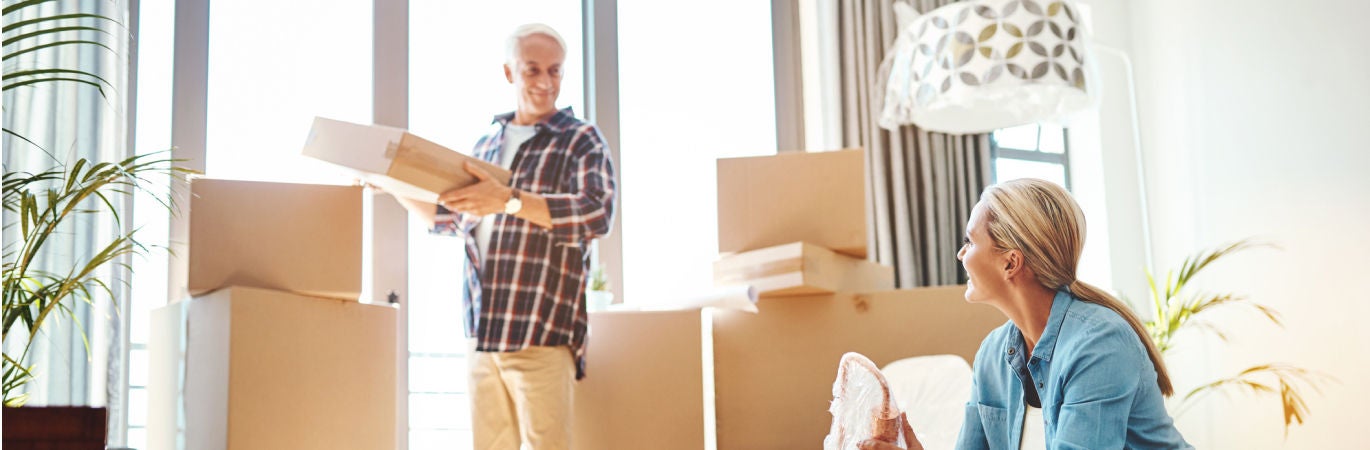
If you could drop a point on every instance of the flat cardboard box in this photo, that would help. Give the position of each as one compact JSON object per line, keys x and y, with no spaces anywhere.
{"x":819,"y":198}
{"x":246,"y":368}
{"x":774,"y":370}
{"x":299,"y":238}
{"x":645,"y":384}
{"x":393,"y":159}
{"x":800,"y":268}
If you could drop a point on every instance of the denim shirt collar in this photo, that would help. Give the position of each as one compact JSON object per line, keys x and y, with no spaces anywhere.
{"x":1014,"y":346}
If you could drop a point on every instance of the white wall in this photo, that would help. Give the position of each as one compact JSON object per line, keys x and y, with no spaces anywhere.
{"x":1103,"y":162}
{"x":1253,"y":119}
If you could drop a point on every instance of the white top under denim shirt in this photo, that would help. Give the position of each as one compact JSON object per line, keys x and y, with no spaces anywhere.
{"x":1095,"y":381}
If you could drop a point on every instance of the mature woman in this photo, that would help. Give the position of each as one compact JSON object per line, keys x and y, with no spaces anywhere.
{"x":1073,"y":368}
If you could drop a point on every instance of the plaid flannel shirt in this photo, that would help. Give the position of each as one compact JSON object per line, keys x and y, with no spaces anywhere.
{"x":531,"y":288}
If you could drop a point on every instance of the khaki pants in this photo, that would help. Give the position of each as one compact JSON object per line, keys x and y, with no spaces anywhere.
{"x":521,"y":397}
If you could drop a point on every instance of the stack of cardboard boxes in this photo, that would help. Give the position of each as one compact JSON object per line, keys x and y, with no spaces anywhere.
{"x":795,"y":224}
{"x":273,"y":349}
{"x":795,"y":227}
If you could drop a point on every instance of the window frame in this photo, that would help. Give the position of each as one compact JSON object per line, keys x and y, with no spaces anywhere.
{"x":1062,"y":159}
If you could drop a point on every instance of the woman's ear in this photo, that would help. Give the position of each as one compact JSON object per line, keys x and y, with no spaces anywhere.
{"x":1013,"y":263}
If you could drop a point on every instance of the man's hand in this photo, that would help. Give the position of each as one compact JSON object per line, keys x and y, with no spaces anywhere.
{"x":910,"y":440}
{"x":485,"y":197}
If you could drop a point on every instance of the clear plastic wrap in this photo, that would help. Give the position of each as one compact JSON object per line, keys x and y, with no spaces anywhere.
{"x":863,"y":406}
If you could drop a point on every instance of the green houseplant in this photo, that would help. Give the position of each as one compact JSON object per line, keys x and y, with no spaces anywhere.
{"x":43,"y":205}
{"x":1175,"y":308}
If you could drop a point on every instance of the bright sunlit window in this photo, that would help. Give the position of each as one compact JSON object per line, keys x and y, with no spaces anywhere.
{"x":1031,"y":151}
{"x":273,"y":67}
{"x":456,"y":86}
{"x":148,"y":286}
{"x":697,"y":83}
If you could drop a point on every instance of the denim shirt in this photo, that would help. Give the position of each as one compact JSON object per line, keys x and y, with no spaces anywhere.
{"x":1094,"y":378}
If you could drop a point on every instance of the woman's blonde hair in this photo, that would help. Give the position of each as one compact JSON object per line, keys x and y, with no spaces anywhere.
{"x":1041,"y":220}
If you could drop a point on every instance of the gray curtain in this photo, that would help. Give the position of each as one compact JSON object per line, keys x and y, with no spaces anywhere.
{"x":922,"y":184}
{"x":66,"y":121}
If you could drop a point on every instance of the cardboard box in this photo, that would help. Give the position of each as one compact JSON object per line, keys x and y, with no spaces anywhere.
{"x":647,"y":375}
{"x":248,"y":368}
{"x":774,"y":370}
{"x":393,"y":159}
{"x":801,"y":268}
{"x":819,"y":198}
{"x":299,"y":238}
{"x":754,"y":381}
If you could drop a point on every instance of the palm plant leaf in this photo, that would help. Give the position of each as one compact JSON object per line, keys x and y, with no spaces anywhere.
{"x":1195,"y":264}
{"x":1174,"y":309}
{"x":56,"y":18}
{"x":97,"y":86}
{"x":34,"y":35}
{"x":45,"y":201}
{"x":23,"y":51}
{"x":34,"y":144}
{"x":1289,"y":384}
{"x":24,"y":4}
{"x":37,"y":72}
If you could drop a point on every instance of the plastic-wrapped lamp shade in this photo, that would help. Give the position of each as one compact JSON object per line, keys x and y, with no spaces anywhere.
{"x":981,"y":65}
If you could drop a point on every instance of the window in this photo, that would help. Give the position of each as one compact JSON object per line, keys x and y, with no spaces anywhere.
{"x":1031,"y":151}
{"x":457,"y":85}
{"x":689,"y":94}
{"x":271,"y":74}
{"x":148,"y":286}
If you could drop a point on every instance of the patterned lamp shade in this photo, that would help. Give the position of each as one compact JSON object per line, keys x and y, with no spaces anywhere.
{"x":980,"y":65}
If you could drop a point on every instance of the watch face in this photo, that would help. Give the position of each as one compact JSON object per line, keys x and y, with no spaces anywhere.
{"x":513,"y":206}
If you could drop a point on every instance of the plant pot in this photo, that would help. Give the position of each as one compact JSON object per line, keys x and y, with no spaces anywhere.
{"x":598,"y":300}
{"x":55,"y":428}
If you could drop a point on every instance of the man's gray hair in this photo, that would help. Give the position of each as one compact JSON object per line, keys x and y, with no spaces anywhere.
{"x":511,"y":47}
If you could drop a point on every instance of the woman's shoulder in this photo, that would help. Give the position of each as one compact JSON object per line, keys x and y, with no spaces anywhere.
{"x":1097,"y":327}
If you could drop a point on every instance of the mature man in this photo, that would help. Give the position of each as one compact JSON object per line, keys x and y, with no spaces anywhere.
{"x":527,"y":247}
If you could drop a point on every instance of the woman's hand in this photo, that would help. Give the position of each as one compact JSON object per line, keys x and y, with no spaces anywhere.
{"x":910,"y":441}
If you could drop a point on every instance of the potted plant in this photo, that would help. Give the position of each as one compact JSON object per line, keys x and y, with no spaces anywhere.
{"x":43,"y":206}
{"x":1173,"y":309}
{"x":597,"y":296}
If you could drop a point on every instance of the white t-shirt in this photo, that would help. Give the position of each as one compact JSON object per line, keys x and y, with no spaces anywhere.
{"x":1034,"y":430}
{"x":514,"y":136}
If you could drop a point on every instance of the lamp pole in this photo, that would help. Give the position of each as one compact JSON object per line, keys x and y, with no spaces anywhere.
{"x":1137,"y":151}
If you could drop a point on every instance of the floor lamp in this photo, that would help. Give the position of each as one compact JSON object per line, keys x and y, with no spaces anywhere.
{"x":981,"y":65}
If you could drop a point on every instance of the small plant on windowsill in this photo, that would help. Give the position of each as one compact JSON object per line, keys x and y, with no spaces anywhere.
{"x":597,"y":295}
{"x":1173,"y":310}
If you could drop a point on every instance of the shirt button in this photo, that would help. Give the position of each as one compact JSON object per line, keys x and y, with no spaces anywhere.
{"x":1040,"y":384}
{"x":1010,"y":350}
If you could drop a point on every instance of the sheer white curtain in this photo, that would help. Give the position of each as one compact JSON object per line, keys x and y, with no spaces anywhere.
{"x":66,"y":121}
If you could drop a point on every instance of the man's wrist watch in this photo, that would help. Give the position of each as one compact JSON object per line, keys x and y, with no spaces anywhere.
{"x":514,"y":205}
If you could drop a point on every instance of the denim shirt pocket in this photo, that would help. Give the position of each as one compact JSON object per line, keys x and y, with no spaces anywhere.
{"x":995,"y":421}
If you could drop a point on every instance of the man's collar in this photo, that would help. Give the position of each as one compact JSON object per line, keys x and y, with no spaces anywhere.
{"x":557,"y":122}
